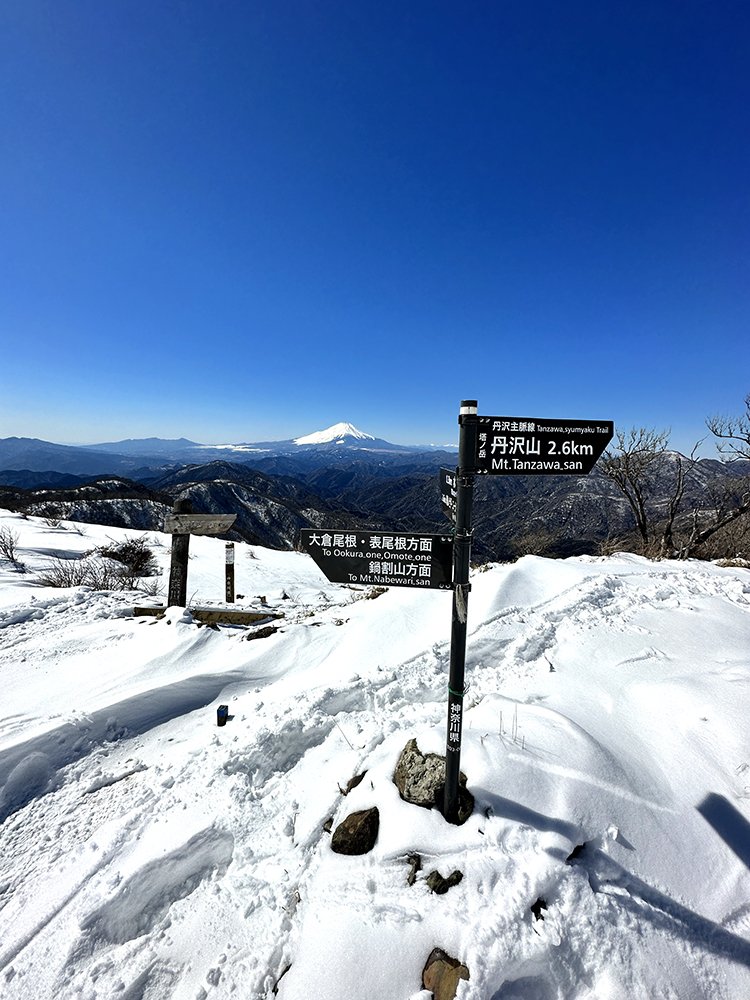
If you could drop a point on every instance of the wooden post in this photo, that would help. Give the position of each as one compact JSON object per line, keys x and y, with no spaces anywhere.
{"x":181,"y":523}
{"x":229,"y":596}
{"x":178,"y":569}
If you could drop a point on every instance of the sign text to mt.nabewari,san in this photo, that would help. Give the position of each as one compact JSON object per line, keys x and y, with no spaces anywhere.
{"x":384,"y":559}
{"x":528,"y":446}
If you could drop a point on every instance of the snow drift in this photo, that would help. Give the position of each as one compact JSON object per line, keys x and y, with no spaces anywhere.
{"x":146,"y":853}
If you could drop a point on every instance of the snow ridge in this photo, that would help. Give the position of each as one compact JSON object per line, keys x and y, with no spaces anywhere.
{"x":147,"y":853}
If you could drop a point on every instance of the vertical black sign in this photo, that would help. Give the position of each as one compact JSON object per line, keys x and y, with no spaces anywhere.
{"x":448,"y":493}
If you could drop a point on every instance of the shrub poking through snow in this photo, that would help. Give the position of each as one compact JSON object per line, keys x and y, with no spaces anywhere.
{"x":9,"y":544}
{"x":118,"y":566}
{"x":134,"y":555}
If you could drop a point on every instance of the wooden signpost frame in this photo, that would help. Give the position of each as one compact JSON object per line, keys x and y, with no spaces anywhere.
{"x":181,"y":524}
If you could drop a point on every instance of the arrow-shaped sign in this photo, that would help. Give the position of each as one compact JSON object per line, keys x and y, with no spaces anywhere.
{"x":382,"y":558}
{"x":540,"y":446}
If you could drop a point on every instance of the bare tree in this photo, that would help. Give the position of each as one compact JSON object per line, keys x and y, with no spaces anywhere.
{"x":731,"y":542}
{"x":731,"y":501}
{"x":682,"y":469}
{"x":730,"y":505}
{"x":654,"y":480}
{"x":733,"y":433}
{"x":635,"y":465}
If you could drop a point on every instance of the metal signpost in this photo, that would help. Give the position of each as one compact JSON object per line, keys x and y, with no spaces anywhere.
{"x":382,"y":558}
{"x":181,"y":524}
{"x":507,"y":446}
{"x":465,"y":475}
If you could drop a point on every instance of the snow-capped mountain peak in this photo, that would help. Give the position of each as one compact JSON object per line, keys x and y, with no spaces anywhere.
{"x":337,"y":432}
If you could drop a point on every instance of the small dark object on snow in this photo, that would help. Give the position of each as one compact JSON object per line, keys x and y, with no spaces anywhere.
{"x":440,"y":885}
{"x":352,"y":783}
{"x":357,"y":833}
{"x":538,"y":907}
{"x":222,"y":714}
{"x":415,"y":865}
{"x":576,"y":853}
{"x":328,"y":825}
{"x":262,"y":633}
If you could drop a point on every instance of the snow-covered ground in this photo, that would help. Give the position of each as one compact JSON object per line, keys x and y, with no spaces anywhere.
{"x":147,"y":854}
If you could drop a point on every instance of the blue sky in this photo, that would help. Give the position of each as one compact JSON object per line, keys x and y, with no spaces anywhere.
{"x":242,"y":220}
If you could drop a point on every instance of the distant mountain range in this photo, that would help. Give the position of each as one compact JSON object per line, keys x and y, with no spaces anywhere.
{"x":337,"y":478}
{"x":147,"y":458}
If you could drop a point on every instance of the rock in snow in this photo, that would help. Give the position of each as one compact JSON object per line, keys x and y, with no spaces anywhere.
{"x":357,"y":833}
{"x":442,"y":974}
{"x":420,"y":779}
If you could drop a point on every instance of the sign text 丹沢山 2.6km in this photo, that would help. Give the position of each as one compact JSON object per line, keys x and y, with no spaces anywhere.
{"x":534,"y":446}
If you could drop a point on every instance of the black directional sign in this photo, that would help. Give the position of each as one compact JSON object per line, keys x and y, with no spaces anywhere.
{"x":448,"y":493}
{"x":382,"y":558}
{"x":534,"y":446}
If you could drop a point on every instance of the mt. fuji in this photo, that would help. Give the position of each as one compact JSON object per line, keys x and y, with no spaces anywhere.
{"x":336,"y":433}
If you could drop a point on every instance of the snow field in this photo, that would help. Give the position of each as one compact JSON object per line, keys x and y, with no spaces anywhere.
{"x":146,"y":853}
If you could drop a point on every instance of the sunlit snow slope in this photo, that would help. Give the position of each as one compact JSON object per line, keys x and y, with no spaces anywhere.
{"x":146,"y":853}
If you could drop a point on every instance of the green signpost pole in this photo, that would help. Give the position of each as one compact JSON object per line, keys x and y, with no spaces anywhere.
{"x":465,"y":476}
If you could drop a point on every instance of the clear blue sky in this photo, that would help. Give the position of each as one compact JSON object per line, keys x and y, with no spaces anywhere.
{"x":239,"y":220}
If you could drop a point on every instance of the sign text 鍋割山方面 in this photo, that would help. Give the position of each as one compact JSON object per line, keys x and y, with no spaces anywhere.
{"x":381,"y":558}
{"x":528,"y":446}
